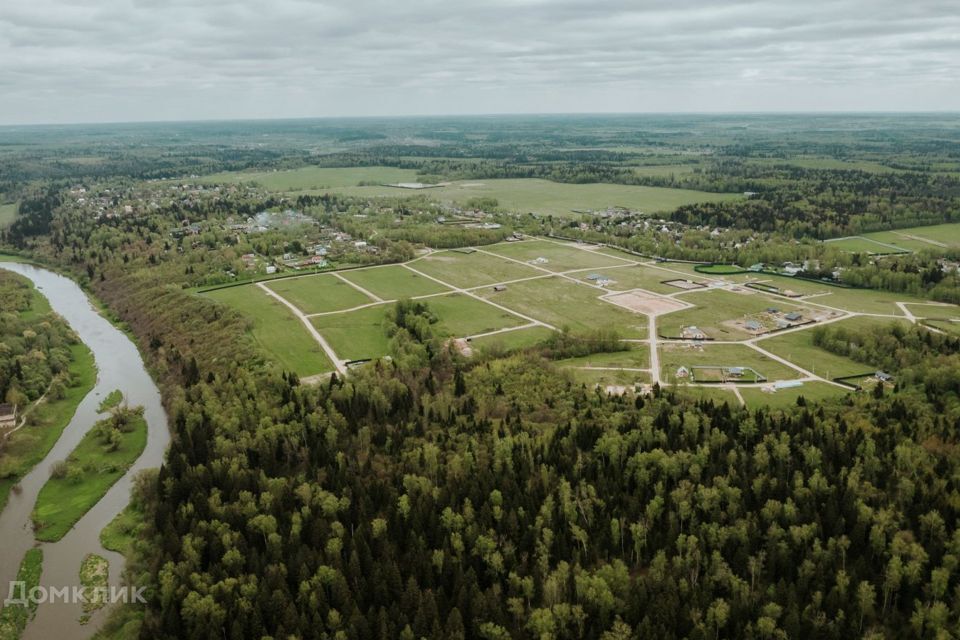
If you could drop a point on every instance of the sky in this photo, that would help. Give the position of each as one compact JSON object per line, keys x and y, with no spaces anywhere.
{"x":64,"y":61}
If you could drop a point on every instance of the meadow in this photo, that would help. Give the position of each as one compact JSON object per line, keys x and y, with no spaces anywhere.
{"x":716,"y":307}
{"x":934,"y":237}
{"x":673,"y":356}
{"x":314,"y":178}
{"x":278,"y":332}
{"x":555,"y":256}
{"x":8,"y":212}
{"x":319,"y":293}
{"x":355,"y":335}
{"x":393,"y":282}
{"x":531,"y":195}
{"x":562,"y":303}
{"x":469,"y":270}
{"x":784,"y":398}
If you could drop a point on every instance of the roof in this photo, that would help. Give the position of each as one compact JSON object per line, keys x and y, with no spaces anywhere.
{"x":752,"y":324}
{"x":735,"y":370}
{"x":787,"y":384}
{"x":793,"y":315}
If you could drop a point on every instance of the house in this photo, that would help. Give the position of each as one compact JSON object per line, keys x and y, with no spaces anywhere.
{"x":594,"y":277}
{"x":499,"y":287}
{"x":755,"y":267}
{"x":540,"y":260}
{"x":693,"y":333}
{"x":8,"y":415}
{"x":883,"y":376}
{"x":793,"y":316}
{"x":271,"y":270}
{"x":683,"y":372}
{"x":773,"y":310}
{"x":735,"y":372}
{"x":752,"y":325}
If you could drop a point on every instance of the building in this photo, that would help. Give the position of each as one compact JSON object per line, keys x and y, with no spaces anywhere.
{"x":883,"y":376}
{"x":271,"y":270}
{"x":595,"y":276}
{"x":752,"y":325}
{"x":773,"y":310}
{"x":8,"y":415}
{"x":683,"y":372}
{"x":793,"y":316}
{"x":787,"y":384}
{"x":735,"y":372}
{"x":693,"y":333}
{"x":499,"y":287}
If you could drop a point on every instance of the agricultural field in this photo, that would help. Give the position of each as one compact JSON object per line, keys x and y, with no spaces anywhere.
{"x":314,"y":178}
{"x":557,"y":256}
{"x":8,"y":212}
{"x":544,"y":197}
{"x":673,"y":356}
{"x":355,"y":335}
{"x":715,"y":312}
{"x":393,"y":282}
{"x":281,"y":335}
{"x":562,"y":303}
{"x":319,"y":294}
{"x":468,"y":270}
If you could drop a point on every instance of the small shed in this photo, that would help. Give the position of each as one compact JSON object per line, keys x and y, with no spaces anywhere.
{"x":883,"y":376}
{"x":683,"y":372}
{"x":735,"y":372}
{"x":794,"y":316}
{"x":499,"y":287}
{"x":752,"y":325}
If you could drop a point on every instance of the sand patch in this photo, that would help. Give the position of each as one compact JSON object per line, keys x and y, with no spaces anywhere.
{"x":640,"y":301}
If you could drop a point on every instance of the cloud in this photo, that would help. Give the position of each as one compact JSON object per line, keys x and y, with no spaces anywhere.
{"x":108,"y":60}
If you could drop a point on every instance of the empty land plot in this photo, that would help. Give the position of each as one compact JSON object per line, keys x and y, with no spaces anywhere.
{"x":932,"y":237}
{"x":861,"y":244}
{"x":593,"y":377}
{"x":510,"y":340}
{"x":636,"y":358}
{"x":461,"y":315}
{"x":798,"y":347}
{"x":475,"y":269}
{"x":866,"y":301}
{"x":279,"y":333}
{"x":674,"y":356}
{"x":785,"y":398}
{"x":559,"y":257}
{"x":319,"y":294}
{"x":318,"y":178}
{"x":717,"y":394}
{"x":555,"y":198}
{"x":562,"y":303}
{"x":633,"y":277}
{"x":640,"y":301}
{"x":355,"y":335}
{"x":715,"y":311}
{"x":393,"y":282}
{"x":947,"y":325}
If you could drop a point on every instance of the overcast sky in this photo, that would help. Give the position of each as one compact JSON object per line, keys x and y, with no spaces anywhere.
{"x":134,"y":60}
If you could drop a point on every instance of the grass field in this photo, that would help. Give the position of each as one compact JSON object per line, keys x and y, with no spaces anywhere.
{"x":393,"y":282}
{"x":638,"y":357}
{"x":636,"y":277}
{"x":319,"y":294}
{"x":935,"y":237}
{"x":561,"y":303}
{"x":93,"y":469}
{"x":863,"y":244}
{"x":28,"y":446}
{"x":355,"y":335}
{"x":798,"y":347}
{"x":8,"y":212}
{"x":519,"y":339}
{"x":560,"y":257}
{"x":281,"y":336}
{"x":315,"y":178}
{"x":468,"y":270}
{"x":14,"y":617}
{"x":673,"y":356}
{"x":460,"y":315}
{"x":784,"y":398}
{"x":553,"y":198}
{"x":605,"y":378}
{"x":121,"y":532}
{"x":713,"y":309}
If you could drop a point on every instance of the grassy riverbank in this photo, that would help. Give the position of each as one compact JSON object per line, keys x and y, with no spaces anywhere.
{"x":45,"y":423}
{"x":101,"y":458}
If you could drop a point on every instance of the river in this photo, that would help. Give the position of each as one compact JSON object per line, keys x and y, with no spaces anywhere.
{"x":119,"y":366}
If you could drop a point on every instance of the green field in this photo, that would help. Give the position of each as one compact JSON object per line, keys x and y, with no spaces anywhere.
{"x":355,"y":335}
{"x":863,"y":244}
{"x":784,"y":398}
{"x":92,"y":470}
{"x":714,"y":308}
{"x":510,"y":340}
{"x":553,"y":198}
{"x":314,"y":178}
{"x":562,"y":303}
{"x":468,"y":270}
{"x":604,"y":378}
{"x":935,"y":237}
{"x":638,"y":357}
{"x":636,"y":277}
{"x":673,"y":356}
{"x":460,"y":315}
{"x":279,"y":333}
{"x":319,"y":294}
{"x":798,"y":347}
{"x":560,"y":257}
{"x":15,"y":616}
{"x":8,"y":212}
{"x":28,"y":446}
{"x":393,"y":282}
